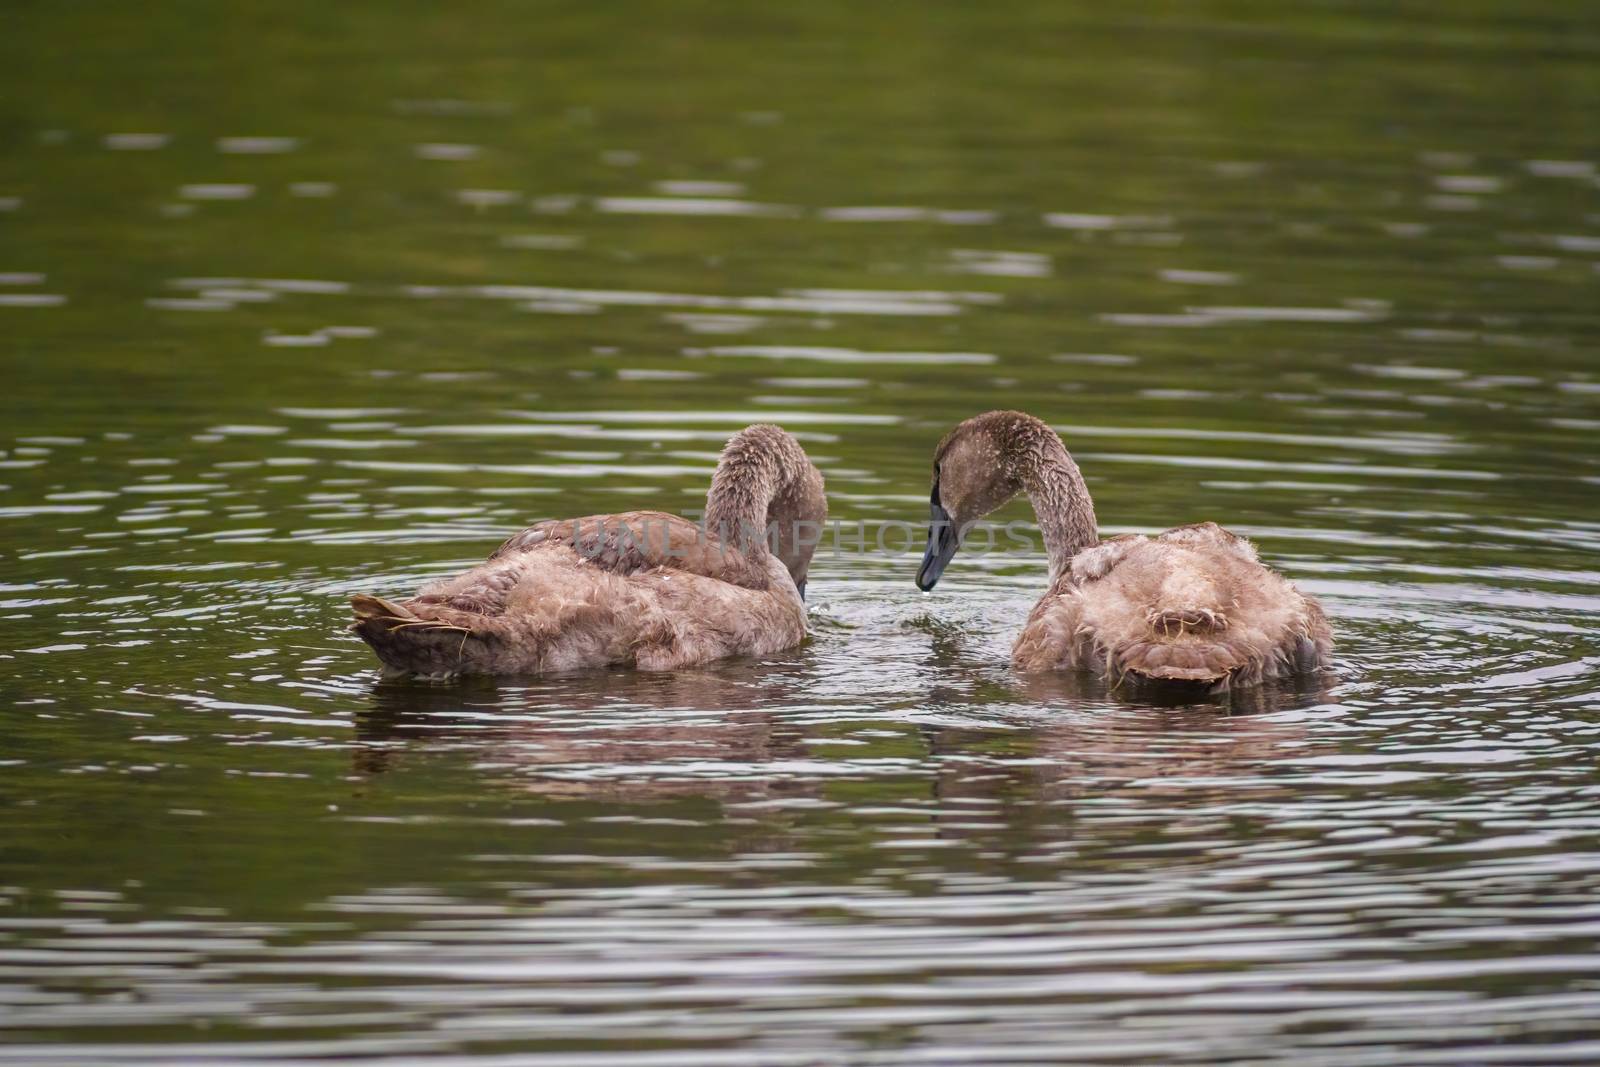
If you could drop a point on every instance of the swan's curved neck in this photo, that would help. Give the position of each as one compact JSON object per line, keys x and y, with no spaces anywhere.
{"x":1062,"y":505}
{"x":736,"y":509}
{"x":754,"y":470}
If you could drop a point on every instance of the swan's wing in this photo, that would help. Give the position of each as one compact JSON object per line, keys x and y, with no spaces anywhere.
{"x":1095,"y":563}
{"x":1209,"y":537}
{"x":641,"y":587}
{"x":1056,"y":634}
{"x":635,"y":541}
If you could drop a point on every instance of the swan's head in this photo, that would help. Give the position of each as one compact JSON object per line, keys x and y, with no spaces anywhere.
{"x":978,"y":468}
{"x":796,"y":517}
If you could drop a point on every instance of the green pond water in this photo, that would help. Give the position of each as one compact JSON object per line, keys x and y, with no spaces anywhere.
{"x":299,"y":300}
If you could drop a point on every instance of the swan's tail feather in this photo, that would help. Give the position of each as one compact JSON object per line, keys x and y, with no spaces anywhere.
{"x":369,"y":607}
{"x":408,"y":643}
{"x":1177,"y":660}
{"x":1177,"y":621}
{"x":1185,"y":635}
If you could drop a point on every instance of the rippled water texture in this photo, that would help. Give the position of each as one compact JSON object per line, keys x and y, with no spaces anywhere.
{"x":303,"y":299}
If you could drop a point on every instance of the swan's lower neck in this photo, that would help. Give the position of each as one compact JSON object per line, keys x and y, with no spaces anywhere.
{"x":736,"y":507}
{"x":1062,"y":505}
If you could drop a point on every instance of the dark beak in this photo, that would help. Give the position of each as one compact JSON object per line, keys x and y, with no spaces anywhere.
{"x":802,"y":588}
{"x":943,"y":540}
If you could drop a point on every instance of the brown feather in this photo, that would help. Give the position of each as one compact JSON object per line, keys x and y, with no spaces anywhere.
{"x":639,"y":588}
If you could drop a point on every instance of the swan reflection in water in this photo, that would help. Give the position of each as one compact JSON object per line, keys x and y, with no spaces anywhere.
{"x":620,"y":736}
{"x":985,"y":767}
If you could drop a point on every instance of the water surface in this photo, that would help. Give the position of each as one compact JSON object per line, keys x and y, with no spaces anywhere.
{"x":313,"y":299}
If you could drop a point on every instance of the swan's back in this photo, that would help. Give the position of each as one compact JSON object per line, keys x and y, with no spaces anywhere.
{"x":642,"y":589}
{"x":1193,"y":604}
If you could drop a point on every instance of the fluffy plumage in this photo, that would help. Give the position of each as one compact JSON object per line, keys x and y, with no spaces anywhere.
{"x":1191,"y":605}
{"x":640,"y":588}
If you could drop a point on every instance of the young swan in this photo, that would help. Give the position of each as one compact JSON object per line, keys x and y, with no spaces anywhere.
{"x":641,"y":588}
{"x":1193,"y":604}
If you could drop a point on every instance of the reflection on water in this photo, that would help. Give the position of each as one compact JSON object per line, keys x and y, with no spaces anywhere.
{"x":339,"y":298}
